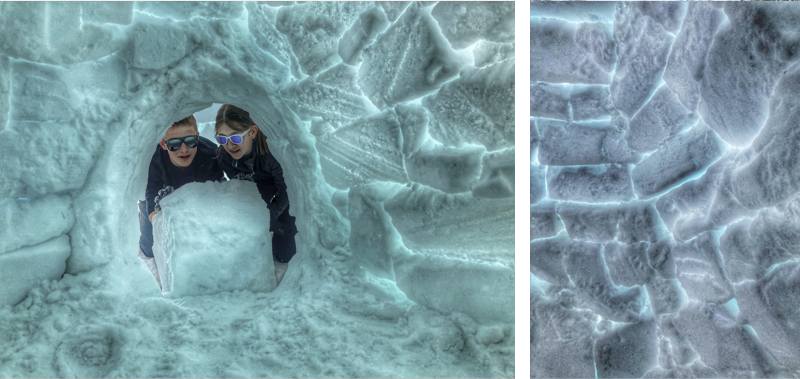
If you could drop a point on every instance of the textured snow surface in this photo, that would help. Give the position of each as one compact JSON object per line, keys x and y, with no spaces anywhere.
{"x":393,"y":123}
{"x":665,"y":194}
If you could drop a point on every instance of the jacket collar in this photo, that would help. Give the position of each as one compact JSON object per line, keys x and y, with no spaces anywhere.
{"x":247,"y":161}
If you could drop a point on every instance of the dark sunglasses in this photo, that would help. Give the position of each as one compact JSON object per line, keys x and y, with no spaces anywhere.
{"x":175,"y":143}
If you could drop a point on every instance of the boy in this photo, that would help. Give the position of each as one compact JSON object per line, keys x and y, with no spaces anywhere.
{"x":181,"y":157}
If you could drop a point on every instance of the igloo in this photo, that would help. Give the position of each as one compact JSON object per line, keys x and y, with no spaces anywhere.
{"x":393,"y":122}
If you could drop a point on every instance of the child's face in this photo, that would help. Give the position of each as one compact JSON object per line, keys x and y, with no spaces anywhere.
{"x":242,"y":149}
{"x":184,"y":156}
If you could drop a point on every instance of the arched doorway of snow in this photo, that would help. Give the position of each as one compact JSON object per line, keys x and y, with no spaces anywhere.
{"x":398,"y":167}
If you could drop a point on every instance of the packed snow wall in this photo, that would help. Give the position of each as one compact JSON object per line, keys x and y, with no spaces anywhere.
{"x":664,"y":197}
{"x":393,"y":122}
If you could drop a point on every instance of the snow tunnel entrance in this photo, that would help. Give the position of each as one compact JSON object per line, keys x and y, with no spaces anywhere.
{"x":288,"y":140}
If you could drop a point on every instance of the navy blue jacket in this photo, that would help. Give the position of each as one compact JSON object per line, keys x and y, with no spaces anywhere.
{"x":163,"y":172}
{"x":265,"y":171}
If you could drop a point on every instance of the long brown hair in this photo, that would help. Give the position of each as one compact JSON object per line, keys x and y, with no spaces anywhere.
{"x":239,"y":120}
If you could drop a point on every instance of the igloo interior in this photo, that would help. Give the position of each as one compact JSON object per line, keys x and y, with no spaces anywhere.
{"x":664,"y":189}
{"x":394,"y":125}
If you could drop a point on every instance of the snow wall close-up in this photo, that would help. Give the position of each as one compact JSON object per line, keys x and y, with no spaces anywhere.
{"x":665,"y":189}
{"x":393,"y":123}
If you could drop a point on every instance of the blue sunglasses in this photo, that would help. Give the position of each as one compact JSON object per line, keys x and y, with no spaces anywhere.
{"x":236,"y":138}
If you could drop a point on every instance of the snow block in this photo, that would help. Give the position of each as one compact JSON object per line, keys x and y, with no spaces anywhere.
{"x":743,"y":66}
{"x":627,"y":264}
{"x":668,"y":14}
{"x":64,"y":163}
{"x":722,"y":343}
{"x":366,"y":150}
{"x":314,"y":29}
{"x":591,"y":184}
{"x":38,"y":93}
{"x":362,"y":34}
{"x":475,"y":108}
{"x":639,"y":222}
{"x":628,"y":223}
{"x":476,"y":228}
{"x":643,"y":47}
{"x":373,"y":239}
{"x":770,"y":176}
{"x":774,"y":235}
{"x":483,"y":292}
{"x":53,"y":33}
{"x":680,"y":349}
{"x":683,"y":156}
{"x":714,"y":207}
{"x":414,"y":120}
{"x":25,"y":222}
{"x":661,"y":258}
{"x":449,"y":169}
{"x":26,"y":268}
{"x":750,"y":247}
{"x":564,"y":52}
{"x":26,"y":22}
{"x":192,"y":244}
{"x":628,"y":351}
{"x":564,"y":144}
{"x":421,"y":57}
{"x":590,"y":102}
{"x":486,"y":53}
{"x":770,"y":305}
{"x":687,"y":62}
{"x":156,"y":45}
{"x":332,"y":95}
{"x":726,"y":208}
{"x":464,"y":23}
{"x":659,"y":120}
{"x":550,"y":100}
{"x":666,"y":295}
{"x":692,"y":200}
{"x":545,"y":221}
{"x":590,"y":223}
{"x":547,"y":257}
{"x":538,"y":182}
{"x":261,"y":21}
{"x":497,"y":176}
{"x":561,"y":341}
{"x":593,"y":284}
{"x":601,"y":11}
{"x":393,"y":9}
{"x":701,"y":271}
{"x":736,"y":248}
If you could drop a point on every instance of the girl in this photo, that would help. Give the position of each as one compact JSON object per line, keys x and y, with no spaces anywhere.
{"x":244,"y":155}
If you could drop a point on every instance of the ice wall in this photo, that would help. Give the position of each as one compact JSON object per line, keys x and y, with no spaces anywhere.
{"x":664,"y":191}
{"x":394,"y":130}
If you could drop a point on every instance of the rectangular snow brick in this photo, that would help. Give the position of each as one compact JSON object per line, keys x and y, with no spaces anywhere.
{"x":683,"y":156}
{"x":591,"y":184}
{"x":564,"y":52}
{"x":193,"y":243}
{"x":565,"y":144}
